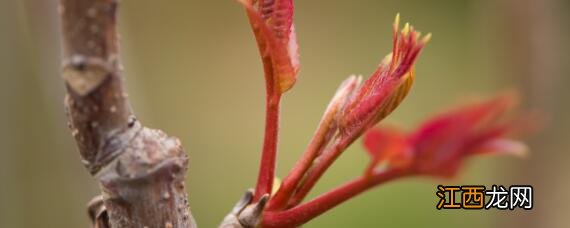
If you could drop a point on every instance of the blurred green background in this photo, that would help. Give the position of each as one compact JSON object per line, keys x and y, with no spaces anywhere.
{"x":193,"y":70}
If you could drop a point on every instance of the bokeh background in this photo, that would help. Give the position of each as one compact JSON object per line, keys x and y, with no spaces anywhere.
{"x":192,"y":69}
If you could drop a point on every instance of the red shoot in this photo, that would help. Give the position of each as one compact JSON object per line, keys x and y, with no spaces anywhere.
{"x":436,"y":148}
{"x":272,"y":24}
{"x":367,"y":105}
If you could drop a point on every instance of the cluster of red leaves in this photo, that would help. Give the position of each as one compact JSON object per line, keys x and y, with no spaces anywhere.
{"x":436,"y":148}
{"x":441,"y":144}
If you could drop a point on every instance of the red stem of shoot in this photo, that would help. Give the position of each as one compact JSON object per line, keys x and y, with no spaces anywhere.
{"x":314,"y":173}
{"x":303,"y":213}
{"x":291,"y":181}
{"x":269,"y":153}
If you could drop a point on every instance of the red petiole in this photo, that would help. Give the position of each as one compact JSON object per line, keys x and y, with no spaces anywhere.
{"x":303,"y":213}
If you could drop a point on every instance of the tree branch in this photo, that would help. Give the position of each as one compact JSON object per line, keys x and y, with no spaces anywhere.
{"x":141,"y":171}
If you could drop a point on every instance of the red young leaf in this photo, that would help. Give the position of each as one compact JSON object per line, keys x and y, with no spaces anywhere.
{"x":387,"y":144}
{"x":442,"y":143}
{"x":272,"y":24}
{"x":388,"y":85}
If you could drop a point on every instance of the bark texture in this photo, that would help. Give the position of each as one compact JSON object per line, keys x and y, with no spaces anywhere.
{"x":141,"y":171}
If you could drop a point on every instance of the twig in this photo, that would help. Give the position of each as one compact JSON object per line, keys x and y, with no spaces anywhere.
{"x":141,"y":171}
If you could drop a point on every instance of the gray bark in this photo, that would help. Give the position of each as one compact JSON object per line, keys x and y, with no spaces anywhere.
{"x":141,"y":171}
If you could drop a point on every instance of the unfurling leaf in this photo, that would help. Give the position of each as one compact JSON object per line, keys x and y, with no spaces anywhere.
{"x":389,"y":84}
{"x":396,"y":97}
{"x":441,"y":144}
{"x":387,"y":145}
{"x":272,"y":24}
